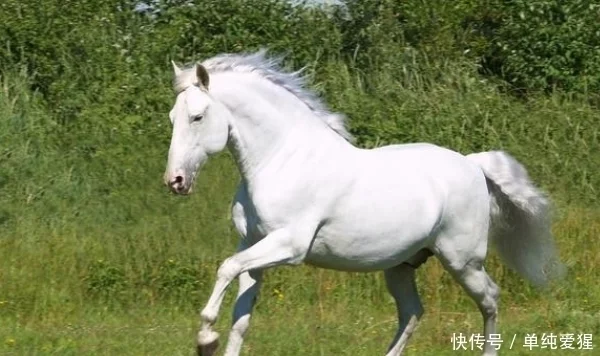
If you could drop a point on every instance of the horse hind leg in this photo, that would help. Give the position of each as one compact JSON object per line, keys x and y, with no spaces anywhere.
{"x":400,"y":281}
{"x":471,"y":275}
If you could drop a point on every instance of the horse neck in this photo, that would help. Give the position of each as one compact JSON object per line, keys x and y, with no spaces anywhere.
{"x":267,"y":121}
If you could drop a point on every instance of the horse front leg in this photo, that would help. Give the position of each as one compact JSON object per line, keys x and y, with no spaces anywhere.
{"x":249,"y":286}
{"x":283,"y":246}
{"x":248,"y":291}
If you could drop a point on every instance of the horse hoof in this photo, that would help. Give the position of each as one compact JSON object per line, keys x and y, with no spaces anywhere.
{"x":208,"y":342}
{"x":209,"y":349}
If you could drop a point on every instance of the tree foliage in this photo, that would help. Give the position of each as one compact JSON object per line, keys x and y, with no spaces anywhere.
{"x":100,"y":68}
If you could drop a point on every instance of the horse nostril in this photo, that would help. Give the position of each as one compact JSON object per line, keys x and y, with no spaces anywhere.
{"x":177,"y":182}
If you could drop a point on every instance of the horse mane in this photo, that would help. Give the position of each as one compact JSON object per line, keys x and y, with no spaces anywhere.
{"x":268,"y":68}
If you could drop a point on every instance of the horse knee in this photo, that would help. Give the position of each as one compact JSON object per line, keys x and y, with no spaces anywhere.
{"x":229,"y":269}
{"x":489,"y":307}
{"x":489,"y":303}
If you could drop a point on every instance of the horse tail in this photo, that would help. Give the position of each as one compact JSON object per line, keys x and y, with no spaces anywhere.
{"x":520,"y":218}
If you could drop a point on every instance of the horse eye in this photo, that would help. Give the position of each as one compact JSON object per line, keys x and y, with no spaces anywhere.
{"x":197,"y":118}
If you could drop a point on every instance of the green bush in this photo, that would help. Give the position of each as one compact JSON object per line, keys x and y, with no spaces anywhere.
{"x":547,"y":45}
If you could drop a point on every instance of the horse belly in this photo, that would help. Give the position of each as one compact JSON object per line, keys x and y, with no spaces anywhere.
{"x":383,"y":222}
{"x":362,"y":254}
{"x":372,"y":246}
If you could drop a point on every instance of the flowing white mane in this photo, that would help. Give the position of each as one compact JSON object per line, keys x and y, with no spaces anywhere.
{"x":269,"y":69}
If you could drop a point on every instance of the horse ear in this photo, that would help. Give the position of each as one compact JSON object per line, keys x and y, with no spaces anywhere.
{"x":202,"y":75}
{"x":176,"y":69}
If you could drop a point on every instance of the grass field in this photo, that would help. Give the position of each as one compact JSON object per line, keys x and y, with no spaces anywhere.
{"x":96,"y":258}
{"x":301,"y":310}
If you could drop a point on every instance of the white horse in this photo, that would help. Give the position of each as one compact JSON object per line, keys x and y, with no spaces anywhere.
{"x":308,"y":195}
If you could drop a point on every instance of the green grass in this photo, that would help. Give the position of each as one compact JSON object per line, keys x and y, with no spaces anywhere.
{"x":301,"y":311}
{"x":96,"y":258}
{"x":283,"y":329}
